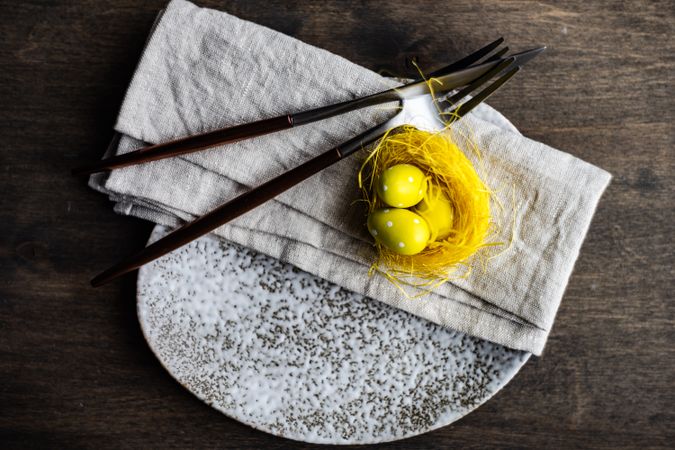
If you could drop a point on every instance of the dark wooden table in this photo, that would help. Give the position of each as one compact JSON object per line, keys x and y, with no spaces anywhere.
{"x":74,"y":368}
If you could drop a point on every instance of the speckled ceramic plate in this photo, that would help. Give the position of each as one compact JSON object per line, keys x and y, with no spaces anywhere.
{"x":294,"y":355}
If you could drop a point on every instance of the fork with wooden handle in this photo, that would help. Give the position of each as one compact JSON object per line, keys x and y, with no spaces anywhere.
{"x":222,"y":136}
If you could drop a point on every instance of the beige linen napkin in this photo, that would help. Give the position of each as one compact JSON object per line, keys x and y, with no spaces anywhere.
{"x":203,"y":69}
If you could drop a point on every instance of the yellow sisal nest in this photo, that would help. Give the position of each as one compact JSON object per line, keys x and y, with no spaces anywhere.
{"x":447,"y":167}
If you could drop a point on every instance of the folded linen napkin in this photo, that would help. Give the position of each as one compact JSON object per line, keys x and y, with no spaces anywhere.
{"x":203,"y":69}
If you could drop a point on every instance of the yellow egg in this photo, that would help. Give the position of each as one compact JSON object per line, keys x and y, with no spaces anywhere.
{"x":400,"y":230}
{"x":401,"y":186}
{"x":436,"y":210}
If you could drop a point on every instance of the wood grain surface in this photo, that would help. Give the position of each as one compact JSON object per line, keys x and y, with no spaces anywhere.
{"x":75,"y":371}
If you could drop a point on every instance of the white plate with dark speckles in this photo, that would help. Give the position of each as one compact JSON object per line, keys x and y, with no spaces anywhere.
{"x":296,"y":356}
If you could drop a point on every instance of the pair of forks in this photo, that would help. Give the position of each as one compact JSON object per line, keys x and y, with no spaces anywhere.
{"x":465,"y":77}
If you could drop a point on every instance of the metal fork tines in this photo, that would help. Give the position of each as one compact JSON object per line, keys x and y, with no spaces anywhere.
{"x":505,"y":70}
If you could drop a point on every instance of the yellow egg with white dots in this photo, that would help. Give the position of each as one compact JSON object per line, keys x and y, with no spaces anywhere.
{"x":400,"y":230}
{"x":401,"y":186}
{"x":437,"y":210}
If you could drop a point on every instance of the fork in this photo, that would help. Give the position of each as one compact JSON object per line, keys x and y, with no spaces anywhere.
{"x":210,"y":139}
{"x":272,"y":188}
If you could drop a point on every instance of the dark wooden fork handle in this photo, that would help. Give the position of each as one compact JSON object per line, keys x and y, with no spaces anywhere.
{"x":221,"y":215}
{"x":189,"y":144}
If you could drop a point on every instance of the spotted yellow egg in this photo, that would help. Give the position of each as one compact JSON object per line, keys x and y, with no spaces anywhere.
{"x":436,"y":209}
{"x":400,"y":230}
{"x":401,"y":186}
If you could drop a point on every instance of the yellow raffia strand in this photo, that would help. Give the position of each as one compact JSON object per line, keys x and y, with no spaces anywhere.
{"x":448,"y":167}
